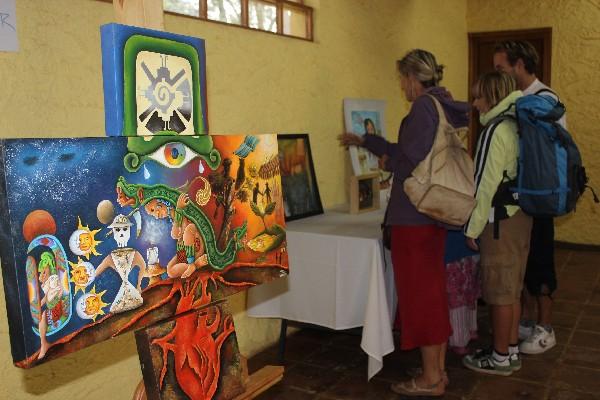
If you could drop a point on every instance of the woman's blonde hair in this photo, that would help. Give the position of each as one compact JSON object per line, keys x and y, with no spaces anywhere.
{"x":423,"y":66}
{"x":494,"y":86}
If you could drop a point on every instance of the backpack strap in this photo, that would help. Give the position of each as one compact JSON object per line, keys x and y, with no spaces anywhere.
{"x":559,"y":108}
{"x":483,"y":146}
{"x":547,"y":90}
{"x":481,"y":151}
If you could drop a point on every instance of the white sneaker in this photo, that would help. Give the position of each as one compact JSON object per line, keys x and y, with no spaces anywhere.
{"x":525,"y":331}
{"x":540,"y":341}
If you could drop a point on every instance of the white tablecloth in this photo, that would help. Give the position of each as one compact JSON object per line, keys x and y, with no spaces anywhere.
{"x":338,"y":279}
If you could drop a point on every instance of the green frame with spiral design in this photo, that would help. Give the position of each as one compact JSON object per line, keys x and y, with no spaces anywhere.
{"x":137,"y":43}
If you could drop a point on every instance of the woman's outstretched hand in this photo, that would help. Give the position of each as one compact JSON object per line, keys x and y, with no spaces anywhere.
{"x":350,"y":139}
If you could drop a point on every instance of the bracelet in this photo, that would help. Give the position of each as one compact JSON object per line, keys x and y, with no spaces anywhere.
{"x":178,"y":218}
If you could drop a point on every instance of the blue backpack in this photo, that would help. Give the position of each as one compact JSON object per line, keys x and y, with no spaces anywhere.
{"x":550,"y":175}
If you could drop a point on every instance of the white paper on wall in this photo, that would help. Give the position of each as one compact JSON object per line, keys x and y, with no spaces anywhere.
{"x":8,"y":26}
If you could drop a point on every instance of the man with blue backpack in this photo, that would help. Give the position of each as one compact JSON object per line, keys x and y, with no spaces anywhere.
{"x":520,"y":59}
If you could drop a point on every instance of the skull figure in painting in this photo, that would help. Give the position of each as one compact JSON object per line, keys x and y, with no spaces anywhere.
{"x":121,"y":230}
{"x":123,"y":259}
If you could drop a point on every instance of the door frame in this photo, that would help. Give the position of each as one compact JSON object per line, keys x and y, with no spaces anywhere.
{"x":475,"y":38}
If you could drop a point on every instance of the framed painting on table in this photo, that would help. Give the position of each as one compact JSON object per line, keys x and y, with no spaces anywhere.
{"x":300,"y":190}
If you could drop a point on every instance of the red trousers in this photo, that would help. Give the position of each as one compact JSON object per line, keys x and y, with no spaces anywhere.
{"x":420,"y":275}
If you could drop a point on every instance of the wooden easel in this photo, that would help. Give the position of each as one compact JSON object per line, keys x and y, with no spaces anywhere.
{"x":149,"y":14}
{"x":256,"y":383}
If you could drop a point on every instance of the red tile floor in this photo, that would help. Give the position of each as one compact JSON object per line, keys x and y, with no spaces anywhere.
{"x":321,"y":364}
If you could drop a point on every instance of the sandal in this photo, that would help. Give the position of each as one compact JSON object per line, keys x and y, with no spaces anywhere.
{"x":410,"y":388}
{"x":418,"y":371}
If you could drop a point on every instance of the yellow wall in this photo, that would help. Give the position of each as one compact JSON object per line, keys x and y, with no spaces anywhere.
{"x":257,"y":83}
{"x":575,"y":55}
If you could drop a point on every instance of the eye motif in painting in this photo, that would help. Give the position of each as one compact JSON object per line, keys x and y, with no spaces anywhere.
{"x":173,"y":155}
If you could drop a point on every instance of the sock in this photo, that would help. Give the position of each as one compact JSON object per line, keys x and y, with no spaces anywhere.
{"x":500,"y":358}
{"x":513,"y":349}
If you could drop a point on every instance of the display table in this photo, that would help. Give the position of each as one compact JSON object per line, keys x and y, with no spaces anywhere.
{"x":339,"y":278}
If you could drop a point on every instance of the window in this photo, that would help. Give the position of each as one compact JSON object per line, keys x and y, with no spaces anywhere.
{"x":229,"y":11}
{"x":262,"y":15}
{"x":283,"y":17}
{"x":186,"y":7}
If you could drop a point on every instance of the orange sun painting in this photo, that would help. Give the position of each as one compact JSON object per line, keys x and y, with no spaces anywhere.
{"x":83,"y":241}
{"x":82,"y":274}
{"x":90,"y":305}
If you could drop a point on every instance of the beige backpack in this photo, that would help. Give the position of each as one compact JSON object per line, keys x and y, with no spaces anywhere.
{"x":442,"y":186}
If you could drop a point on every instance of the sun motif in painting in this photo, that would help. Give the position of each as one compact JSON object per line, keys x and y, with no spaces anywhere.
{"x":164,"y":94}
{"x":90,"y":305}
{"x":82,"y":274}
{"x":83,"y":241}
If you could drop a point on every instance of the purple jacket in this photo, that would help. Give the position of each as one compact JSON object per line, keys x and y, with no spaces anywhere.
{"x":415,"y":138}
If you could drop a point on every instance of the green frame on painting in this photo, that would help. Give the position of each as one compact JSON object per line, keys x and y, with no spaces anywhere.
{"x":134,"y":45}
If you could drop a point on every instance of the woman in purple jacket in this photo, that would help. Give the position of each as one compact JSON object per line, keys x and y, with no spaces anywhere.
{"x":417,"y":241}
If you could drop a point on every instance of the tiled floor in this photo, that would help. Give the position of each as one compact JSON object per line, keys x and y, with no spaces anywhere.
{"x":323,"y":364}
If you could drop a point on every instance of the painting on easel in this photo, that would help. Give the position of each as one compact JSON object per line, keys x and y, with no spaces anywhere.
{"x":92,"y":248}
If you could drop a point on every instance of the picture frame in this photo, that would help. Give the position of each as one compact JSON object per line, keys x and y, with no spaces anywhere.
{"x":301,"y":197}
{"x":154,"y":82}
{"x":364,"y":193}
{"x":361,"y":117}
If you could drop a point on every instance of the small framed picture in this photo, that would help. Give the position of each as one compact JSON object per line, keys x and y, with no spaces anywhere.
{"x":154,"y":82}
{"x":365,"y":117}
{"x":300,"y":190}
{"x":364,"y":193}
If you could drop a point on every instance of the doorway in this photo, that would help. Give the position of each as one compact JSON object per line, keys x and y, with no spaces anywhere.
{"x":481,"y":52}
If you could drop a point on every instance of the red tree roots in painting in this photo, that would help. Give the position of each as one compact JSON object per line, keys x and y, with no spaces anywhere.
{"x":196,"y":341}
{"x":189,"y":294}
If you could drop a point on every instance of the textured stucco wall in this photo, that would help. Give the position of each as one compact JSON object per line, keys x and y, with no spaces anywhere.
{"x":257,"y":83}
{"x":575,"y":76}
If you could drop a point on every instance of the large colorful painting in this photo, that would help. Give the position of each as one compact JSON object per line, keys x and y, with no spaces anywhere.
{"x":300,"y":190}
{"x":98,"y":239}
{"x":154,"y":82}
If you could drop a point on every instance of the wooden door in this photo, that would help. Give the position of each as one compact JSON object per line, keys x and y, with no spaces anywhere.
{"x":481,"y":52}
